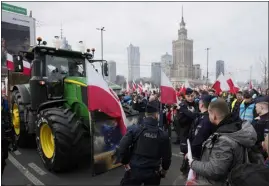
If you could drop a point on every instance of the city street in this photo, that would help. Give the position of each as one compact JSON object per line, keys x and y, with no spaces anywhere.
{"x":24,"y":167}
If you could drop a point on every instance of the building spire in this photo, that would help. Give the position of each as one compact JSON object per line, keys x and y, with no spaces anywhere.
{"x":182,"y":11}
{"x":182,"y":23}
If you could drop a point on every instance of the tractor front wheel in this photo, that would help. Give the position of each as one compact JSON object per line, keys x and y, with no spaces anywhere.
{"x":18,"y":119}
{"x":59,"y":132}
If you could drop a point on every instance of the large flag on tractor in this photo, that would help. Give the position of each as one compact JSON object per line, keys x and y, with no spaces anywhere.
{"x":168,"y":93}
{"x":101,"y":97}
{"x":11,"y":66}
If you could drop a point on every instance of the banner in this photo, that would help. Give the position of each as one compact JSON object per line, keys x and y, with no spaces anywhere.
{"x":106,"y":140}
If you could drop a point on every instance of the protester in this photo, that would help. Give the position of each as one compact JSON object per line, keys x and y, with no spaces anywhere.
{"x":225,"y":148}
{"x":236,"y":104}
{"x":151,"y":148}
{"x":247,"y":111}
{"x":212,"y":92}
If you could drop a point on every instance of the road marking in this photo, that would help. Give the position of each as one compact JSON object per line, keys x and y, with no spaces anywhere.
{"x":37,"y":169}
{"x":24,"y":171}
{"x":17,"y":152}
{"x":180,"y":177}
{"x":177,"y":154}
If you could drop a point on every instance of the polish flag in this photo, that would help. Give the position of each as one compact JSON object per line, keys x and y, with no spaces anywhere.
{"x":102,"y":98}
{"x":134,"y":85}
{"x":168,"y":93}
{"x":233,"y":89}
{"x":221,"y":84}
{"x":140,"y":86}
{"x":11,"y":67}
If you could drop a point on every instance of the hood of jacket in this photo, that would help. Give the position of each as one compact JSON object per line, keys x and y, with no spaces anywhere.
{"x":242,"y":132}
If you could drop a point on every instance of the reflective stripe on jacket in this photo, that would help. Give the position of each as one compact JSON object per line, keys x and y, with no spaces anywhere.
{"x":246,"y":113}
{"x":233,"y":104}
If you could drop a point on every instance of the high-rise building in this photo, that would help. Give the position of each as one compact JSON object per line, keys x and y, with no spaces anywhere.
{"x":166,"y":63}
{"x":219,"y":68}
{"x":112,"y":71}
{"x":182,"y":55}
{"x":197,"y":71}
{"x":65,"y":44}
{"x":133,"y":63}
{"x":156,"y":72}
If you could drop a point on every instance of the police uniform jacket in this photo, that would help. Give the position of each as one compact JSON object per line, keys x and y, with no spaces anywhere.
{"x":152,"y":148}
{"x":202,"y":128}
{"x":186,"y":117}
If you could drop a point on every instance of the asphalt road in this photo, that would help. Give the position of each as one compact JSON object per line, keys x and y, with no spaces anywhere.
{"x":24,"y":167}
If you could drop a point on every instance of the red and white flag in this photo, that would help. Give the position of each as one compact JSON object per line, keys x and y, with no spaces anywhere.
{"x":134,"y":86}
{"x":11,"y":66}
{"x":225,"y":84}
{"x":101,"y":97}
{"x":168,"y":93}
{"x":140,"y":87}
{"x":233,"y":88}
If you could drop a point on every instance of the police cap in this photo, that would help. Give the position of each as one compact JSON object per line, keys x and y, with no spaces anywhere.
{"x":153,"y":106}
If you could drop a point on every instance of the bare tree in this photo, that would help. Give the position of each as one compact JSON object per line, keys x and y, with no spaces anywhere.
{"x":264,"y":70}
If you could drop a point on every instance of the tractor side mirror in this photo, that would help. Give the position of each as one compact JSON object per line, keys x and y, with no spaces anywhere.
{"x":105,"y":69}
{"x":18,"y":63}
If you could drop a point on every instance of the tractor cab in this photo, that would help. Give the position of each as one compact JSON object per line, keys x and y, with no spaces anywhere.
{"x":50,"y":66}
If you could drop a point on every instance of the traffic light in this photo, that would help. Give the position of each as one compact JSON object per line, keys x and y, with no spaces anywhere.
{"x":105,"y":69}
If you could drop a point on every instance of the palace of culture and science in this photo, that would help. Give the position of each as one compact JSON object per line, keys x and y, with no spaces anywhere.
{"x":182,"y":66}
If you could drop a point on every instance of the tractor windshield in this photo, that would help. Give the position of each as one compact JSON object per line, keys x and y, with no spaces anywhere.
{"x":66,"y":66}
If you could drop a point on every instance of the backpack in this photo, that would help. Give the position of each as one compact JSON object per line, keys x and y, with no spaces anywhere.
{"x":251,"y":172}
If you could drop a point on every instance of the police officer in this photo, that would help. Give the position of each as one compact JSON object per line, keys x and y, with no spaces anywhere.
{"x":188,"y":111}
{"x":146,"y":151}
{"x":202,"y":128}
{"x":7,"y":132}
{"x":261,"y":123}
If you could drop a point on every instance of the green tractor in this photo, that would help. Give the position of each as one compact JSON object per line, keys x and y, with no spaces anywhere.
{"x":52,"y":107}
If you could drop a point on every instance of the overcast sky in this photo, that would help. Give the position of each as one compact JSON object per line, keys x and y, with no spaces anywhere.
{"x":236,"y":32}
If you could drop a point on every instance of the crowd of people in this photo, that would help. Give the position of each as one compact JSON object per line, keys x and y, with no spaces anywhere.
{"x":225,"y":132}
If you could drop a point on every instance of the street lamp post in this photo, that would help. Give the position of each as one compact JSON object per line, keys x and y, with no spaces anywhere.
{"x":207,"y":49}
{"x":101,"y":30}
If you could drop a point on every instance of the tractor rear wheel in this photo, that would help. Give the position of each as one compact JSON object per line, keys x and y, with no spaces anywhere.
{"x":59,"y":134}
{"x":18,"y":119}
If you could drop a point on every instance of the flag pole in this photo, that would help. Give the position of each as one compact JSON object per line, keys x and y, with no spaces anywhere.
{"x":161,"y":110}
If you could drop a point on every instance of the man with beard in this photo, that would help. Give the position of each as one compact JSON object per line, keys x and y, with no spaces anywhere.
{"x":225,"y":149}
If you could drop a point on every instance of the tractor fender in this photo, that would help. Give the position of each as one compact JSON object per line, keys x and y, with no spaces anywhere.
{"x":51,"y":104}
{"x":24,"y":92}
